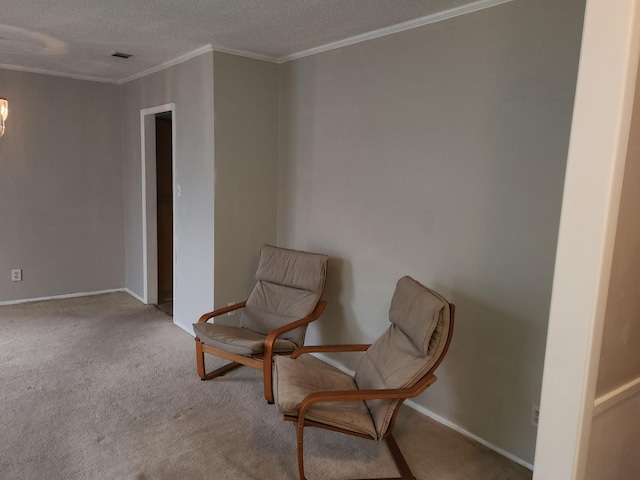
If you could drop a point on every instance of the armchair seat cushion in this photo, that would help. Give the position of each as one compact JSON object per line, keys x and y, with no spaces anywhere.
{"x":237,"y":340}
{"x":295,"y":379}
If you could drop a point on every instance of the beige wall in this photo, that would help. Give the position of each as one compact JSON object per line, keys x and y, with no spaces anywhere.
{"x":613,"y":444}
{"x":440,"y":153}
{"x":620,"y":356}
{"x":246,"y":170}
{"x":189,"y":86}
{"x":615,"y":432}
{"x":61,"y":207}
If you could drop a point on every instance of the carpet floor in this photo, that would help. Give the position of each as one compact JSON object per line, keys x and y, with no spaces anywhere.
{"x":103,"y":387}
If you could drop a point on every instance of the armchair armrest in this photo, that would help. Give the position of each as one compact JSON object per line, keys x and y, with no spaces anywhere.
{"x":271,"y":338}
{"x":221,"y":311}
{"x":329,"y":349}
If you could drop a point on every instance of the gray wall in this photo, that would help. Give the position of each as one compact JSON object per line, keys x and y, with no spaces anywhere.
{"x":246,"y":170}
{"x":61,"y":207}
{"x":615,"y":433}
{"x":190,"y":86}
{"x":440,"y":152}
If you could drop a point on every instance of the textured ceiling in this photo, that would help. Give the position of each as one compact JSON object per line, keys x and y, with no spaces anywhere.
{"x":77,"y":37}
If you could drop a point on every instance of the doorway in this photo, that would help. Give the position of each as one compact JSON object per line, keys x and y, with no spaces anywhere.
{"x":164,"y":212}
{"x":158,"y":133}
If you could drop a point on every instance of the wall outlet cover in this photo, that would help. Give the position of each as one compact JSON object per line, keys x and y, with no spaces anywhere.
{"x":535,"y":414}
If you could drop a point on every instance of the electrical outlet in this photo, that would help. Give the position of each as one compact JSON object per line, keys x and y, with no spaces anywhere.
{"x":233,"y":312}
{"x":16,"y":275}
{"x":535,"y":414}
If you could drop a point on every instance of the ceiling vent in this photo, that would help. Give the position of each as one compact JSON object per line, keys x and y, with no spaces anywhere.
{"x":126,"y":56}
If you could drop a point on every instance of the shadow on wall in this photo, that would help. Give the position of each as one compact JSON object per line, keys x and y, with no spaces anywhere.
{"x":485,"y":378}
{"x":251,"y":277}
{"x":337,"y":324}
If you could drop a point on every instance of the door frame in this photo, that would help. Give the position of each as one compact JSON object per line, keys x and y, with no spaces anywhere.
{"x":149,"y":200}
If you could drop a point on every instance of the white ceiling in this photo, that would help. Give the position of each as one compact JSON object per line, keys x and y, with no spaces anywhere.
{"x":77,"y":37}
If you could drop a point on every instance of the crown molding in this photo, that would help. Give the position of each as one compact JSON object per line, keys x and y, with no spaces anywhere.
{"x":165,"y":65}
{"x":399,"y":27}
{"x":244,"y":53}
{"x":382,"y":32}
{"x":42,"y":71}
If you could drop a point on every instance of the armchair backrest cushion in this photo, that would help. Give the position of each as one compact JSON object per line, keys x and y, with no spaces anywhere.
{"x":407,"y":350}
{"x":292,"y":268}
{"x":289,"y":284}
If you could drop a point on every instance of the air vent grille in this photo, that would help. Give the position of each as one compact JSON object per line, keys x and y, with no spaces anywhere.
{"x":126,"y":56}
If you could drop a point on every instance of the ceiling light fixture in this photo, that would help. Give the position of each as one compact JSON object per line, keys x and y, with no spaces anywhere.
{"x":4,"y":113}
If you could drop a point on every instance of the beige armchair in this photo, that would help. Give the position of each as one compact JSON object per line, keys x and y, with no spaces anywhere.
{"x":399,"y":365}
{"x":274,"y":319}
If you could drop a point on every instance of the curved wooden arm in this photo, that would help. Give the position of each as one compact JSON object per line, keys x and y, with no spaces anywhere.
{"x":355,"y":395}
{"x":221,"y":311}
{"x":329,"y":349}
{"x":271,"y":338}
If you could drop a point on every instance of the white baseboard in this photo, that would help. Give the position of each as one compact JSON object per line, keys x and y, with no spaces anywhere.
{"x":186,"y":328}
{"x":134,"y":295}
{"x":57,"y":297}
{"x":466,"y":433}
{"x":614,"y":397}
{"x":439,"y":419}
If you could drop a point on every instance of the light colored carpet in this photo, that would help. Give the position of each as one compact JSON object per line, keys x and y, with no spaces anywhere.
{"x":104,"y":387}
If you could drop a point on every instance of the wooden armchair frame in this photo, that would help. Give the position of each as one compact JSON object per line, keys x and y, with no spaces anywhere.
{"x":255,"y":361}
{"x":359,"y":395}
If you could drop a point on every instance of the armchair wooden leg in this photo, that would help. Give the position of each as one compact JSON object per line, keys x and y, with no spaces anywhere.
{"x":216,"y":373}
{"x":220,"y":371}
{"x":398,"y":458}
{"x":200,"y":359}
{"x":300,"y":438}
{"x":396,"y":454}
